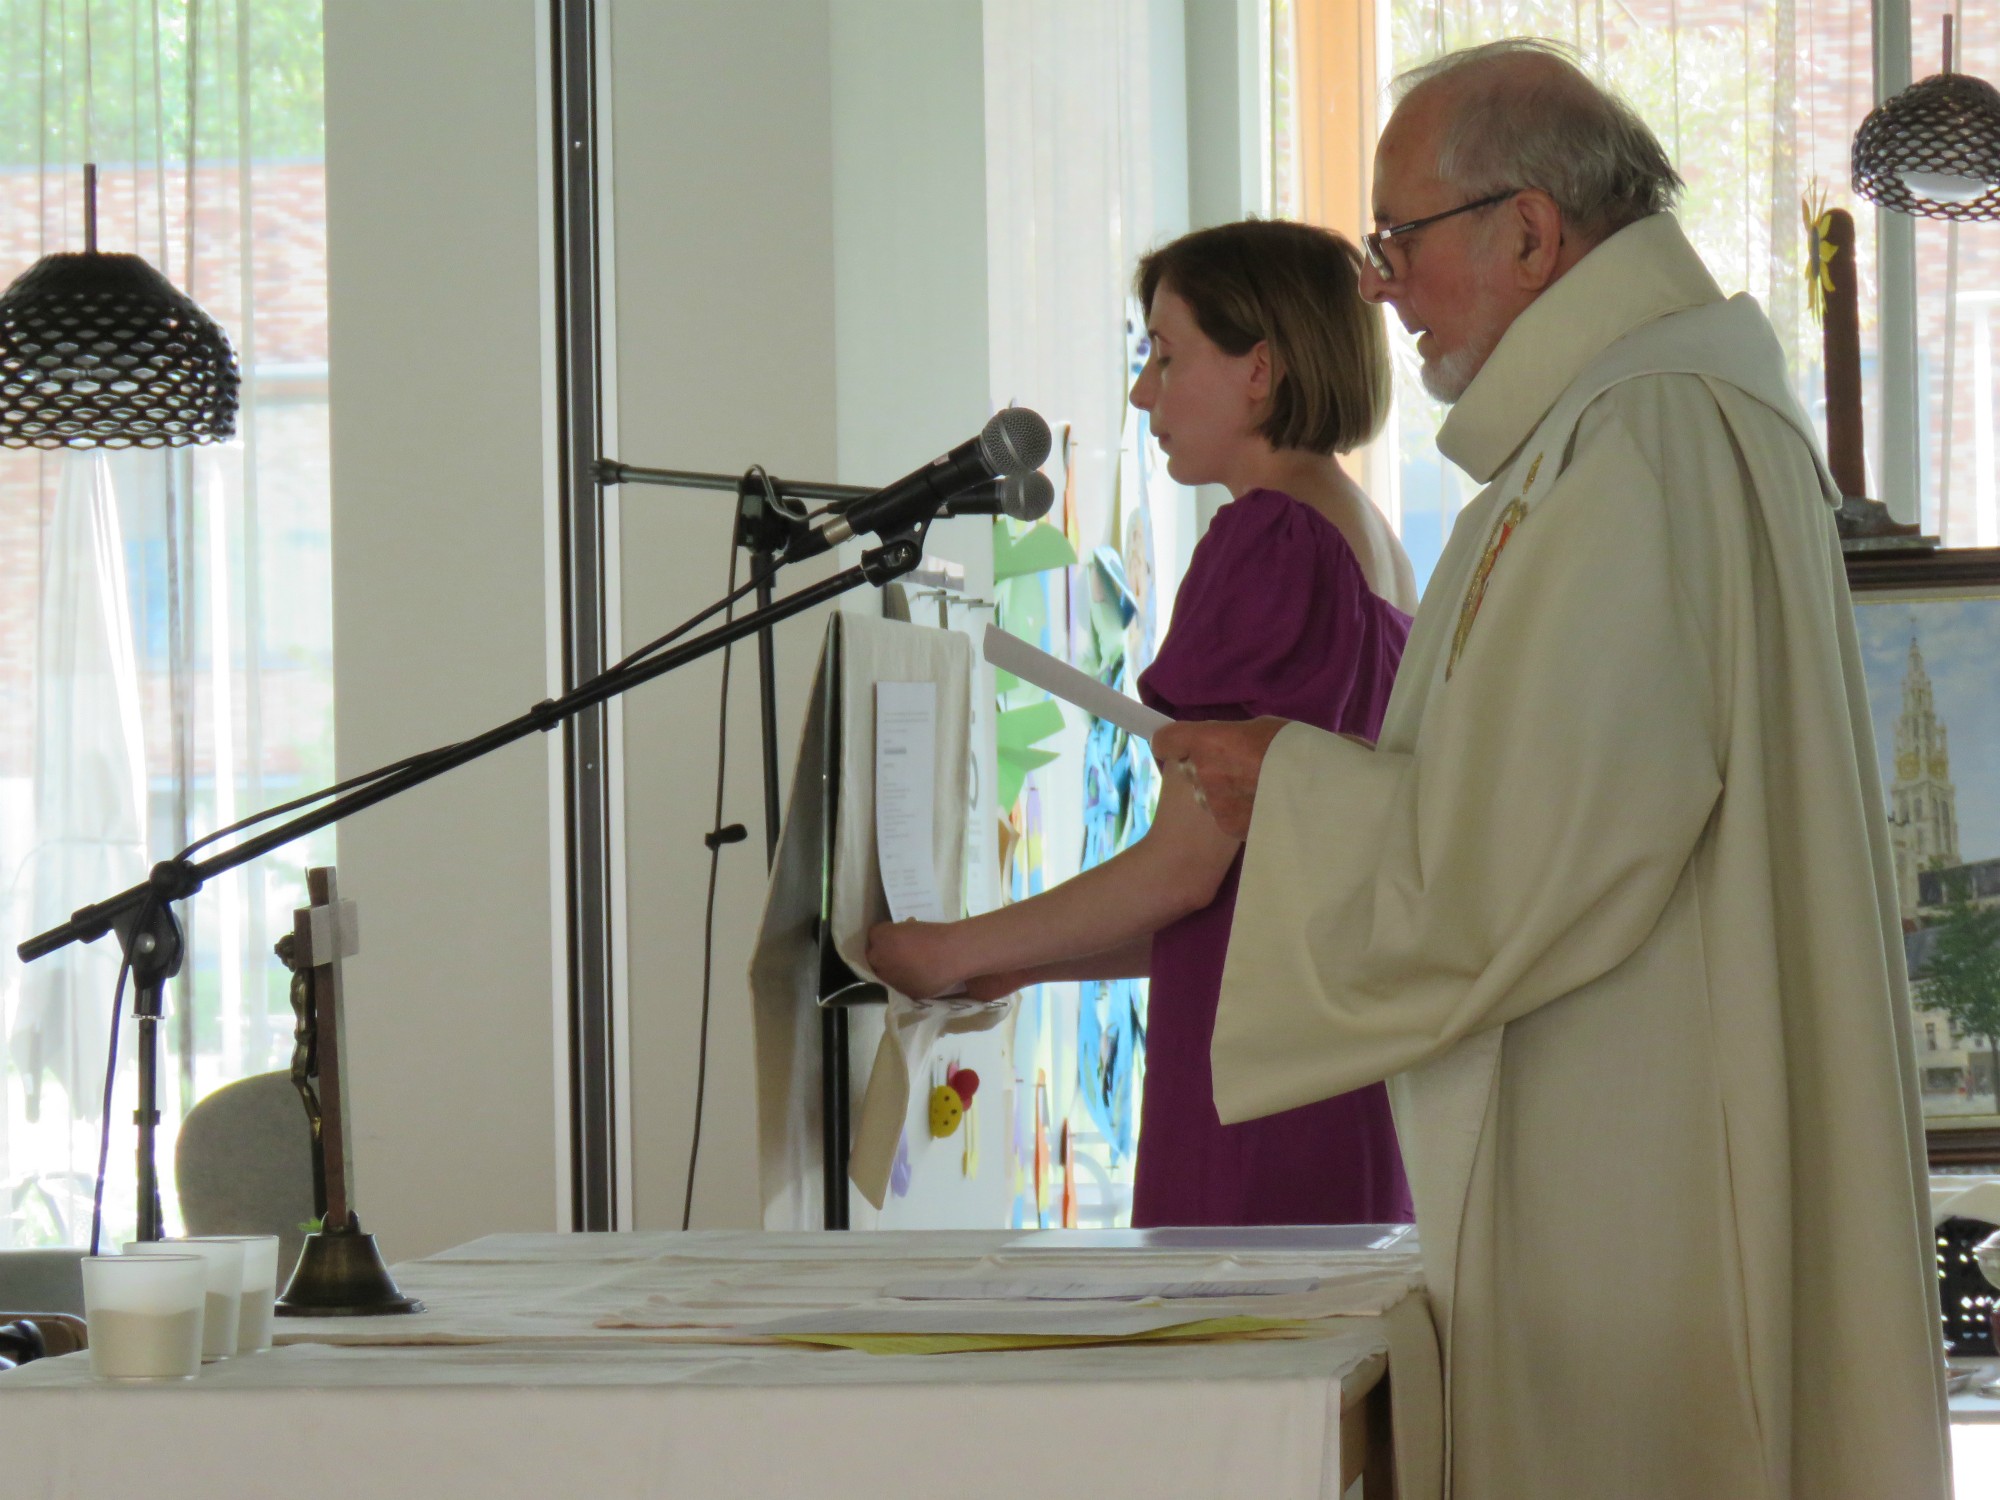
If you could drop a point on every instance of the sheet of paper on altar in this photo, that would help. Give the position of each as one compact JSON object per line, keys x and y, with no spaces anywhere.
{"x":905,"y":772}
{"x":1075,"y":1319}
{"x":1121,"y":1289}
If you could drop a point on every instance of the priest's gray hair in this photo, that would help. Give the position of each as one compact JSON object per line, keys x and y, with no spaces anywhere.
{"x":1522,"y":114}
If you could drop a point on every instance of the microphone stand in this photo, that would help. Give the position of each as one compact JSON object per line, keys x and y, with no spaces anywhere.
{"x":768,"y":518}
{"x":142,"y":916}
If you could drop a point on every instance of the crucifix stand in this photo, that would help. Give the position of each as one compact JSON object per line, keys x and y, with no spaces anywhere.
{"x":340,"y":1271}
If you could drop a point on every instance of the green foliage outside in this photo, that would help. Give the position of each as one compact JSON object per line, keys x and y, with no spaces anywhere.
{"x":1962,"y":978}
{"x":278,"y":99}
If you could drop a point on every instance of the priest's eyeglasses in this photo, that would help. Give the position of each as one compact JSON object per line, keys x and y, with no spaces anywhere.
{"x":1376,"y":245}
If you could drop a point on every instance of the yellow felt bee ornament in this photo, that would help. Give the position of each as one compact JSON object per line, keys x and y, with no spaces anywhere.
{"x":950,"y":1100}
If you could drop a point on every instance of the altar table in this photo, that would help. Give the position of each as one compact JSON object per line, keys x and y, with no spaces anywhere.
{"x":526,"y":1376}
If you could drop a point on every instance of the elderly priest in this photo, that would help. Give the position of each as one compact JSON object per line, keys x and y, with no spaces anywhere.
{"x":1610,"y":901}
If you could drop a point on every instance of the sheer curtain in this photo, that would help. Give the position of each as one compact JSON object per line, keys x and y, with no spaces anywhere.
{"x":165,"y":630}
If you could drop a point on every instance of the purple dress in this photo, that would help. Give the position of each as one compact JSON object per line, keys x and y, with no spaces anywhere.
{"x":1274,"y":617}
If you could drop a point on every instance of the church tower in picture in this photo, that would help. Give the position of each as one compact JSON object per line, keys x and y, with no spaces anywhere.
{"x":1923,"y":808}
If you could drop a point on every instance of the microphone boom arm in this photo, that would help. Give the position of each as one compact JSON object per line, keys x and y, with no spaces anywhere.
{"x":175,"y":879}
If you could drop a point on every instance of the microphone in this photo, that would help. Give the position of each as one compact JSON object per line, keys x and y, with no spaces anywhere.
{"x":1016,"y":441}
{"x":1024,"y":497}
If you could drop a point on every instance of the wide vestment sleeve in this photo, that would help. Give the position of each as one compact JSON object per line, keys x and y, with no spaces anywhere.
{"x":1396,"y":901}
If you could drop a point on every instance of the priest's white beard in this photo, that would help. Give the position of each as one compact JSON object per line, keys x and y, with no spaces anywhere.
{"x":1447,"y":377}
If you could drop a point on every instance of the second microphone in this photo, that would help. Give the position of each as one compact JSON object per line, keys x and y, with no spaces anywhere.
{"x":1016,"y":441}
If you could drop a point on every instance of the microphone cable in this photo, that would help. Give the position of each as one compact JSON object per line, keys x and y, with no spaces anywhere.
{"x":715,"y":838}
{"x":110,"y":1079}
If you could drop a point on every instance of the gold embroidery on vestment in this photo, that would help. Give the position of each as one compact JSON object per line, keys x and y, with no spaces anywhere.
{"x":1475,"y":593}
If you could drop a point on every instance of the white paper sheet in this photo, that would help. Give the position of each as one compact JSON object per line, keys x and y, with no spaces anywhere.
{"x":1012,"y":654}
{"x":1123,"y":1289}
{"x":1220,"y":1239}
{"x":1078,"y":1320}
{"x":905,"y":771}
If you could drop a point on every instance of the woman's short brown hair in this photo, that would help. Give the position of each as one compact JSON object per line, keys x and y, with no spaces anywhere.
{"x":1297,"y":288}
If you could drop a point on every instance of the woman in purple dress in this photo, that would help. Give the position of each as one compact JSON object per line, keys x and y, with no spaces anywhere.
{"x":1265,"y":363}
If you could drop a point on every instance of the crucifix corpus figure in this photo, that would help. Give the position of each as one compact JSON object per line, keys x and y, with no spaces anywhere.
{"x":340,"y":1270}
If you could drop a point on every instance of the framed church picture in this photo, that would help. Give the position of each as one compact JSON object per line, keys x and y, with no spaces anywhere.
{"x":1929,"y":627}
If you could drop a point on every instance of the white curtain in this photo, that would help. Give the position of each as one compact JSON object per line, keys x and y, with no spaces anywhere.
{"x":88,"y":819}
{"x":165,"y":664}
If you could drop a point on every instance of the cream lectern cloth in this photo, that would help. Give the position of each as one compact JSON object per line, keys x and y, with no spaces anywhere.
{"x":1613,"y":897}
{"x":858,"y":652}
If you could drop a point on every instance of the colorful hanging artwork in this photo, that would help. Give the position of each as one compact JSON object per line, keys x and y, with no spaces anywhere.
{"x":1111,"y":1012}
{"x":1030,"y":587}
{"x":1119,"y":778}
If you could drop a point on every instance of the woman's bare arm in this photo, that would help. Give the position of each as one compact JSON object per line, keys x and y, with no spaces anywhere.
{"x":1175,"y":869}
{"x":1133,"y":960}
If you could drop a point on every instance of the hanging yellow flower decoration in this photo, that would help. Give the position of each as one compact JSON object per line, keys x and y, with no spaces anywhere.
{"x":1819,"y":250}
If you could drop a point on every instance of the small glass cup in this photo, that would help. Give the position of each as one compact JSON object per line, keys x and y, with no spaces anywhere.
{"x":223,"y":1306}
{"x":260,"y":1285}
{"x":145,"y":1315}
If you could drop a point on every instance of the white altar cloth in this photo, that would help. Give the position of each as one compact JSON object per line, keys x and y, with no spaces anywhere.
{"x":507,"y":1385}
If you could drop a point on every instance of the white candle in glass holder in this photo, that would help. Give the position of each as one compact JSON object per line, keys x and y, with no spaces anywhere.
{"x":260,"y":1285}
{"x":222,"y":1309}
{"x":144,"y":1315}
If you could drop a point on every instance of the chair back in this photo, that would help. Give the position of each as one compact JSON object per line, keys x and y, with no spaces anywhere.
{"x":41,"y":1281}
{"x":243,"y":1164}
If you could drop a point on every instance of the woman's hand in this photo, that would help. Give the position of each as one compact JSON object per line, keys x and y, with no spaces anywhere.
{"x":915,"y":958}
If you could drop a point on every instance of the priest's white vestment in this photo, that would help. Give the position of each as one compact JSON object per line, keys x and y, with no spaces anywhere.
{"x":1611,"y":903}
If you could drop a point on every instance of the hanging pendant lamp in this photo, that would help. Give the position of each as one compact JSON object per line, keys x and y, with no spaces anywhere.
{"x":99,"y":350}
{"x":1934,"y":150}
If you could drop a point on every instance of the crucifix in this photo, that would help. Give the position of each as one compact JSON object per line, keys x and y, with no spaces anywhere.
{"x":323,"y":934}
{"x":1833,"y":288}
{"x":340,"y":1270}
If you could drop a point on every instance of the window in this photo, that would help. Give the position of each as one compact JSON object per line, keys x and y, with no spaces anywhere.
{"x":1756,"y":105}
{"x":219,"y":701}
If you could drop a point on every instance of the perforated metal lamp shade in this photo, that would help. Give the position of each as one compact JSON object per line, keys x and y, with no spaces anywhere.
{"x":100,"y":351}
{"x":1947,"y":126}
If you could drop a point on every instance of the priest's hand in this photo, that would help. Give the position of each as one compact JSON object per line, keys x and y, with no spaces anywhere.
{"x":1223,"y":761}
{"x":917,"y":959}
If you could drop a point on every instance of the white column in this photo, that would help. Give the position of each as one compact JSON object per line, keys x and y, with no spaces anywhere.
{"x":1985,"y":521}
{"x":1896,"y":268}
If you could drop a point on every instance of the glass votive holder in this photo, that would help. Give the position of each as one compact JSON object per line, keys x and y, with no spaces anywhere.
{"x":260,"y":1285}
{"x":221,"y":1309}
{"x":145,"y":1315}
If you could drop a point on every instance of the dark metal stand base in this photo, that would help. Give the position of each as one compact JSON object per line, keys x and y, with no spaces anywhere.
{"x":341,"y":1275}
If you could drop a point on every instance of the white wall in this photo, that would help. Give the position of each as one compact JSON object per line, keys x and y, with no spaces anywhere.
{"x":441,"y":607}
{"x":724,"y":244}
